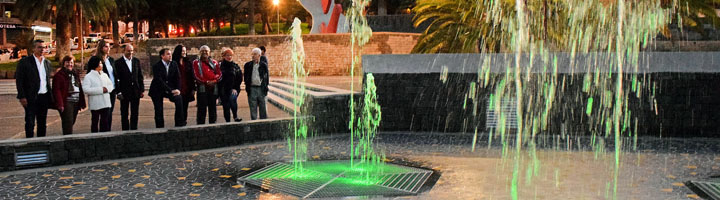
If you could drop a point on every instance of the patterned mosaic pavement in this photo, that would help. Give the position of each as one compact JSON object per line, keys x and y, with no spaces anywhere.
{"x":656,"y":171}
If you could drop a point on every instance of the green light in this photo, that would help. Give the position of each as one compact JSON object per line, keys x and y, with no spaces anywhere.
{"x":297,"y":142}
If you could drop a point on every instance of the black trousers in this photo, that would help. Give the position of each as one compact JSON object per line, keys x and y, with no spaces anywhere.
{"x":160,"y":118}
{"x":206,"y":104}
{"x":229,"y":104}
{"x":36,"y":110}
{"x":100,"y":120}
{"x":129,"y":106}
{"x":113,"y":96}
{"x":185,"y":106}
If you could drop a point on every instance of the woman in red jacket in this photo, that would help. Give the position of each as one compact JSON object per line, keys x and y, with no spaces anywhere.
{"x":68,"y":92}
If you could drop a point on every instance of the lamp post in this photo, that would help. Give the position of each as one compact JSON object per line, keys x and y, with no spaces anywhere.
{"x":276,"y":3}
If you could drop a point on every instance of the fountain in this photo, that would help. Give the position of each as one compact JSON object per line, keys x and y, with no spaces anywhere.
{"x":365,"y":173}
{"x":601,"y":38}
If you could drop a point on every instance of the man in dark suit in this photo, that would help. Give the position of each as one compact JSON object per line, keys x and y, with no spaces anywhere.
{"x":32,"y":79}
{"x":256,"y":84}
{"x":131,"y":87}
{"x":262,"y":57}
{"x":166,"y":84}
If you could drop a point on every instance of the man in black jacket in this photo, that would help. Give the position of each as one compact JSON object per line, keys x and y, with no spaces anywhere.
{"x":131,"y":87}
{"x":256,"y":84}
{"x":263,"y":58}
{"x":32,"y":79}
{"x":166,"y":84}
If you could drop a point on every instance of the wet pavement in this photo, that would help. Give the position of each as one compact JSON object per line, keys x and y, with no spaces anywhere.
{"x":486,"y":173}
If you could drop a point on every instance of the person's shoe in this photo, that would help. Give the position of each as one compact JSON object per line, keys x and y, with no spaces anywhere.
{"x":238,"y":119}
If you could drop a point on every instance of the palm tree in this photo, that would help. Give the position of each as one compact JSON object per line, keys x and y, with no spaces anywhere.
{"x":251,"y":17}
{"x":456,"y":26}
{"x":466,"y":26}
{"x":31,"y":10}
{"x":694,"y":14}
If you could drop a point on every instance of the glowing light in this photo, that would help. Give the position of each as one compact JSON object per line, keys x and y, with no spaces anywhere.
{"x":276,"y":2}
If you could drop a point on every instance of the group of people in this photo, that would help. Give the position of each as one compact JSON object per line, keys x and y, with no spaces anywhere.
{"x":175,"y":77}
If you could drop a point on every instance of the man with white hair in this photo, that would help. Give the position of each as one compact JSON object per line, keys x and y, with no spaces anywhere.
{"x":256,"y":84}
{"x":207,"y":75}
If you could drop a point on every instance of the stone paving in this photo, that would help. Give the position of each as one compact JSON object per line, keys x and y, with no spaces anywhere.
{"x":656,"y":172}
{"x":12,"y":114}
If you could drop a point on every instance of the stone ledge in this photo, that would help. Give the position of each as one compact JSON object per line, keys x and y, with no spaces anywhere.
{"x":90,"y":147}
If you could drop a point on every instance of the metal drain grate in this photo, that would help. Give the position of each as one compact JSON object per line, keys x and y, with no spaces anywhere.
{"x":31,"y":158}
{"x":324,"y":179}
{"x":705,"y":189}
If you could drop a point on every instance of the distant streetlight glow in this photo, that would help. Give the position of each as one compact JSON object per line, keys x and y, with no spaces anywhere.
{"x":276,"y":3}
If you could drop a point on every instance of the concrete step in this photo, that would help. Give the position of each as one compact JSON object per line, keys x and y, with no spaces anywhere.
{"x":280,"y":102}
{"x":309,"y":90}
{"x":281,"y":93}
{"x":312,"y":87}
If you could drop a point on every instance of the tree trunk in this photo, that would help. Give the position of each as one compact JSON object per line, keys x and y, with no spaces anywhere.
{"x":86,"y":27}
{"x":136,"y":25}
{"x":251,"y":18}
{"x":81,"y":22}
{"x":232,"y":23}
{"x":115,"y":29}
{"x":209,"y":25}
{"x":186,"y":27}
{"x":74,"y":25}
{"x":165,"y":29}
{"x":62,"y":37}
{"x":217,"y":26}
{"x":267,"y":28}
{"x":151,"y":25}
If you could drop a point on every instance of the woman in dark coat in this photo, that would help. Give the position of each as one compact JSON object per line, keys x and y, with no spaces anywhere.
{"x":187,"y":79}
{"x":229,"y":85}
{"x":69,"y":95}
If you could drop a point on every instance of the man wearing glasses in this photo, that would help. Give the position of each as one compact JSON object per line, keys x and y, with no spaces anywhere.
{"x":32,"y":79}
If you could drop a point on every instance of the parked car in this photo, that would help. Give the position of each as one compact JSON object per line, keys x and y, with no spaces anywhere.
{"x":90,"y":42}
{"x":128,"y":37}
{"x":95,"y":36}
{"x":73,"y":43}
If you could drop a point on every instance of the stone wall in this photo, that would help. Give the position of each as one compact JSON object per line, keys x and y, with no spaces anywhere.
{"x":414,"y":98}
{"x":325,"y":54}
{"x":82,"y":148}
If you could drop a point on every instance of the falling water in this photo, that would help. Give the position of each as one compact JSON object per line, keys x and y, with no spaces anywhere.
{"x":608,"y":35}
{"x":297,"y":143}
{"x":363,"y":126}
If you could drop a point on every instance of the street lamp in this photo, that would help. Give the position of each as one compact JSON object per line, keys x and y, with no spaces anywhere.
{"x":276,"y":3}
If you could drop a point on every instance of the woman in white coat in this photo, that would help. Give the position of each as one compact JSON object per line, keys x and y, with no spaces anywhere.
{"x":97,"y":86}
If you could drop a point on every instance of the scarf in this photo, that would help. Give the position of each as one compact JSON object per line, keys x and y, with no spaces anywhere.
{"x":201,"y":87}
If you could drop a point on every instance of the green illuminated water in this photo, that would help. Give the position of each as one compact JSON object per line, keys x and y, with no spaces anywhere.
{"x":297,"y":142}
{"x":366,"y":164}
{"x":337,"y":172}
{"x":363,"y":125}
{"x":534,"y":31}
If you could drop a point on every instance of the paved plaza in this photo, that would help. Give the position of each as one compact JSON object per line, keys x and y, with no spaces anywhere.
{"x":656,"y":171}
{"x":12,"y":115}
